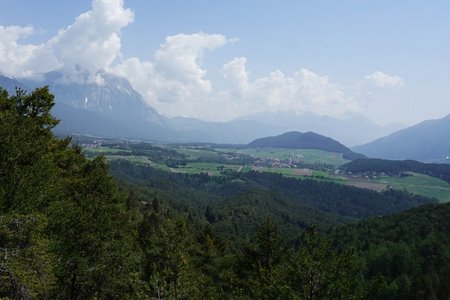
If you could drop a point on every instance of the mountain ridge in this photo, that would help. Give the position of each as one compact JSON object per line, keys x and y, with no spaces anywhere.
{"x":427,"y":141}
{"x":307,"y":140}
{"x":351,"y":128}
{"x":112,"y":108}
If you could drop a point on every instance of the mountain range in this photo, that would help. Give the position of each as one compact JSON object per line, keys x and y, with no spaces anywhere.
{"x":112,"y":108}
{"x":428,"y":141}
{"x":351,"y":129}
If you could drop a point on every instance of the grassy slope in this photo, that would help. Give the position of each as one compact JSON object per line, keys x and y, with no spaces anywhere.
{"x":308,"y":156}
{"x":422,"y":185}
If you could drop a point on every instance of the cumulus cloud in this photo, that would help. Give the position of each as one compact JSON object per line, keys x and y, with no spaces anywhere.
{"x":176,"y":84}
{"x":22,"y":60}
{"x":90,"y":44}
{"x":380,"y":79}
{"x":376,"y":88}
{"x":141,"y":75}
{"x":300,"y":92}
{"x":175,"y":81}
{"x":178,"y":64}
{"x":237,"y":75}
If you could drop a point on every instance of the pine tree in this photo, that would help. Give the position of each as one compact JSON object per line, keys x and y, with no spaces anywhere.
{"x":316,"y":271}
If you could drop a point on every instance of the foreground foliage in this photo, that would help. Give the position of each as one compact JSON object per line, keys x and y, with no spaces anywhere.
{"x":410,"y":251}
{"x":69,"y":231}
{"x":64,"y":222}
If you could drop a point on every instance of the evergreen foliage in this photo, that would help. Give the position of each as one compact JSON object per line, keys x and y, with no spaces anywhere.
{"x":68,"y":230}
{"x":409,"y":251}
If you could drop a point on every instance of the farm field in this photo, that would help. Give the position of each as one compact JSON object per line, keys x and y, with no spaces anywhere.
{"x":212,"y":169}
{"x":420,"y":184}
{"x":307,"y":156}
{"x":318,"y":165}
{"x":195,"y":153}
{"x":367,"y":184}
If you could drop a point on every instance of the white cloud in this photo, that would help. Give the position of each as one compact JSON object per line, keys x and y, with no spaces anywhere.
{"x":141,"y":75}
{"x":21,"y":60}
{"x":178,"y":64}
{"x":377,"y":89}
{"x":179,"y":58}
{"x":382,"y":80}
{"x":303,"y":91}
{"x":175,"y":82}
{"x":91,"y":44}
{"x":236,"y":73}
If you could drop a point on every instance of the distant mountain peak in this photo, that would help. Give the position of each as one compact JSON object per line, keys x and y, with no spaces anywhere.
{"x":111,"y":108}
{"x":10,"y":84}
{"x":428,"y":141}
{"x":351,"y":128}
{"x":113,"y":96}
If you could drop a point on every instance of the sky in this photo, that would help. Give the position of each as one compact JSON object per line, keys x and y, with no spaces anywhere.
{"x":219,"y":60}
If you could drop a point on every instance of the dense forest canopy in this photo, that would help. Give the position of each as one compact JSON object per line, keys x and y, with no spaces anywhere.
{"x":69,"y":230}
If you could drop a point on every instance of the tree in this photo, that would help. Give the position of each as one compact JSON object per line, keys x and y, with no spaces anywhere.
{"x":28,"y":175}
{"x":55,"y":194}
{"x":259,"y":265}
{"x":26,"y":261}
{"x":315,"y":271}
{"x":173,"y":274}
{"x":94,"y":230}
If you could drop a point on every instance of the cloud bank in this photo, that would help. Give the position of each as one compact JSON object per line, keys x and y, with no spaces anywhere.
{"x":302,"y":91}
{"x":175,"y":81}
{"x":79,"y":51}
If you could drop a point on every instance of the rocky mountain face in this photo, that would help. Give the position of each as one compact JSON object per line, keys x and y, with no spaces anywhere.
{"x":111,"y":107}
{"x":112,"y":96}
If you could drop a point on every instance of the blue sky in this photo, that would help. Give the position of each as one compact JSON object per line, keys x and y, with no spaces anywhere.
{"x":389,"y":60}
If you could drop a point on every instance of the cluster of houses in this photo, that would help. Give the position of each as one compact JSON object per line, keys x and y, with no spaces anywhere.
{"x":92,"y":145}
{"x":274,"y":163}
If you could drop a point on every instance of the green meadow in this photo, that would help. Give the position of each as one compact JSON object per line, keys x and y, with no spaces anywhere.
{"x":421,"y":184}
{"x":211,"y":161}
{"x":307,"y":156}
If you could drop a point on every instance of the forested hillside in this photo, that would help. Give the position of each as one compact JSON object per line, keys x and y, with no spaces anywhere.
{"x":395,"y":167}
{"x":69,"y":230}
{"x":307,"y":140}
{"x":238,"y":202}
{"x":409,"y":251}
